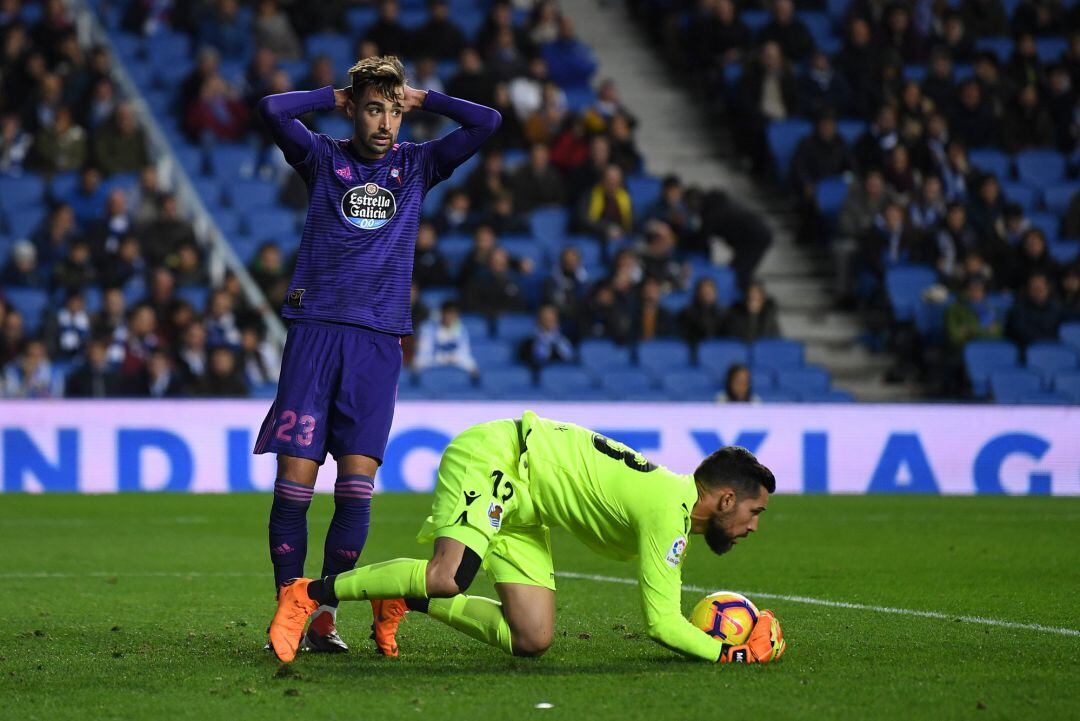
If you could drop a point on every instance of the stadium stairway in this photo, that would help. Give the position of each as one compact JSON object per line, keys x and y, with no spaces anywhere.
{"x":675,"y":135}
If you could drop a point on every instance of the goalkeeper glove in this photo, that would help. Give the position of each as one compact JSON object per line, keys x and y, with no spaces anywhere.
{"x":766,"y":643}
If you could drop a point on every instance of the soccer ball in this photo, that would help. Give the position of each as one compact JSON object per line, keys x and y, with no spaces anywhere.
{"x":726,"y":616}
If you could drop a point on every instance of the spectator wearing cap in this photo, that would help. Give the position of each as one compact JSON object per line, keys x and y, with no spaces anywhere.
{"x":21,"y":270}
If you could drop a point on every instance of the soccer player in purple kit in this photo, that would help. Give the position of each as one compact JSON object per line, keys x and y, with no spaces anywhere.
{"x":348,"y":303}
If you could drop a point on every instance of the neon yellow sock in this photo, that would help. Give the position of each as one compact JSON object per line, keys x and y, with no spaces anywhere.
{"x":389,"y":579}
{"x":474,"y":616}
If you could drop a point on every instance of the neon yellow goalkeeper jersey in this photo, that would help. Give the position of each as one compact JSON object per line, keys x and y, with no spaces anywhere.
{"x":620,"y":505}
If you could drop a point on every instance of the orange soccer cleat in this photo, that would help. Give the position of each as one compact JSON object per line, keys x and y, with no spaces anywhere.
{"x":386,"y":616}
{"x":294,"y":607}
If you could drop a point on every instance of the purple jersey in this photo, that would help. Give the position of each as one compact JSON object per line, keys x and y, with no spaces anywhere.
{"x":356,"y":253}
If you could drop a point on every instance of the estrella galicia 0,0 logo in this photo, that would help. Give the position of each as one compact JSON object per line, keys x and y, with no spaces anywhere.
{"x":368,"y":206}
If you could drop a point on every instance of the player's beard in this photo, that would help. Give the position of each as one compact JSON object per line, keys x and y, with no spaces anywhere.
{"x":367,"y":140}
{"x":718,"y":538}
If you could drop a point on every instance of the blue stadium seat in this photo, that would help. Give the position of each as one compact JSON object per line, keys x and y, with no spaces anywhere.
{"x":270,"y":221}
{"x":983,"y":357}
{"x":464,"y":393}
{"x":810,"y":379}
{"x":360,"y":18}
{"x":820,"y":26}
{"x":629,"y":383}
{"x":1040,"y":168}
{"x":776,"y":353}
{"x":514,"y":327}
{"x":904,"y":286}
{"x":601,"y":356}
{"x":31,"y":304}
{"x":19,"y":192}
{"x":689,"y":385}
{"x":195,"y":295}
{"x":209,"y":190}
{"x":1064,"y":251}
{"x":548,"y":225}
{"x":506,"y":382}
{"x":230,"y":161}
{"x":850,"y":129}
{"x":830,"y":194}
{"x":675,"y":301}
{"x":1049,"y":359}
{"x":337,"y":46}
{"x":243,"y":194}
{"x":662,"y":356}
{"x":245,"y":246}
{"x":1044,"y":398}
{"x":478,"y":326}
{"x":930,"y":319}
{"x":1050,"y":50}
{"x":492,"y":353}
{"x":93,"y":297}
{"x":762,"y":378}
{"x":1048,"y":223}
{"x":1069,"y":334}
{"x":525,"y":247}
{"x":829,"y":396}
{"x":1068,"y":383}
{"x":755,"y":19}
{"x":22,"y":222}
{"x":579,"y":98}
{"x":134,"y":290}
{"x":566,"y":381}
{"x":1000,"y":46}
{"x":716,"y":356}
{"x":434,"y":297}
{"x":644,"y":191}
{"x":992,"y":161}
{"x":1023,"y":195}
{"x":783,"y":138}
{"x":776,"y":395}
{"x":412,"y":18}
{"x":455,"y":248}
{"x":61,"y":186}
{"x":1057,"y":197}
{"x":914,"y":73}
{"x":438,"y":381}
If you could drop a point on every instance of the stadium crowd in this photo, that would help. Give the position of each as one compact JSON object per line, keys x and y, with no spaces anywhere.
{"x":907,"y":103}
{"x":113,"y":258}
{"x":640,"y":268}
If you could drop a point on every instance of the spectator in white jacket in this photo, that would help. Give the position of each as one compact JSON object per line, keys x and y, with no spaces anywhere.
{"x":445,"y":342}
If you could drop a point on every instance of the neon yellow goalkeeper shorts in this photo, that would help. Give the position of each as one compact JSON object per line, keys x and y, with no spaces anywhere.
{"x":481,"y":501}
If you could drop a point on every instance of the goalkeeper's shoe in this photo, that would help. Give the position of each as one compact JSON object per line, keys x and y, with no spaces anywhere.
{"x":322,"y":635}
{"x":386,"y":616}
{"x":294,"y":607}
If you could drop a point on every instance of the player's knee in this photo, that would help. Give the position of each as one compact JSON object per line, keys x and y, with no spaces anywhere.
{"x":444,"y":580}
{"x":532,"y":644}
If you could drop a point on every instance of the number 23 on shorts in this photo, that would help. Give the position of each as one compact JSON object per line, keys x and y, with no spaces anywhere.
{"x":304,"y":425}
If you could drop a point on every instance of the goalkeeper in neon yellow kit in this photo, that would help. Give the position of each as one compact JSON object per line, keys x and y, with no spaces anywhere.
{"x":501,"y":486}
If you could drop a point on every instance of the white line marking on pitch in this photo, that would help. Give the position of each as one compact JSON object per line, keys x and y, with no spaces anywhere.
{"x":1056,"y":630}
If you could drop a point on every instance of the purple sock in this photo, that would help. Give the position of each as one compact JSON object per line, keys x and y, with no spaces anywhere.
{"x":349,"y":527}
{"x":288,"y":529}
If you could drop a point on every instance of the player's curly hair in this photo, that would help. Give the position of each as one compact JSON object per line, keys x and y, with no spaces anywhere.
{"x":383,"y":73}
{"x":736,"y":467}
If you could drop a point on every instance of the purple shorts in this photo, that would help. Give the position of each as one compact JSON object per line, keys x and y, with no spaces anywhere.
{"x":336,"y":393}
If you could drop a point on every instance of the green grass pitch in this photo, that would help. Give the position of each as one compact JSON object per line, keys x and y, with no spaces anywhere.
{"x":154,"y":607}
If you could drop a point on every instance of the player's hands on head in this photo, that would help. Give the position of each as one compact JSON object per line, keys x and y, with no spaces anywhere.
{"x":341,"y":98}
{"x":766,"y":643}
{"x":413,"y":98}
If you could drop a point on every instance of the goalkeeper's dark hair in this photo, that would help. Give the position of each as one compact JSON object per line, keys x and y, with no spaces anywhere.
{"x":736,"y":467}
{"x":383,"y":73}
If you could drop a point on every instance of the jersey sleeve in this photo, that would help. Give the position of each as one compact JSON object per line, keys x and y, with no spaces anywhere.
{"x":478,"y":123}
{"x":662,"y":545}
{"x":280,"y":112}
